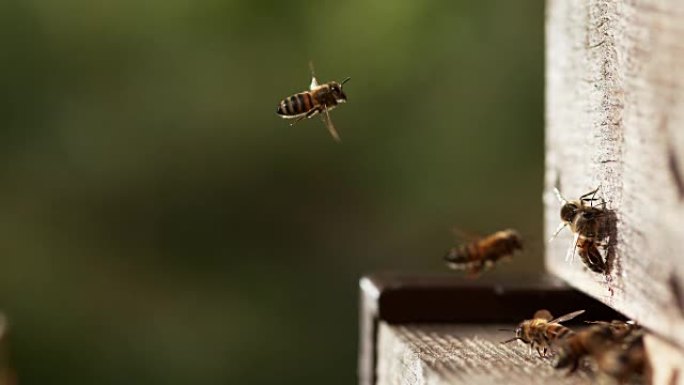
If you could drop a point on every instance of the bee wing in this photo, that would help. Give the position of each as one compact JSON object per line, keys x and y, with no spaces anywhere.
{"x":567,"y":317}
{"x":314,"y":82}
{"x":570,"y":256}
{"x":329,"y":124}
{"x":463,"y":234}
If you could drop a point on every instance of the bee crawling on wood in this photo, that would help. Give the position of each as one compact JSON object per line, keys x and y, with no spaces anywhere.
{"x":625,"y":360}
{"x":543,"y":332}
{"x":593,"y":340}
{"x":613,"y":346}
{"x":588,"y":223}
{"x":482,"y":253}
{"x":581,"y":344}
{"x":319,"y":99}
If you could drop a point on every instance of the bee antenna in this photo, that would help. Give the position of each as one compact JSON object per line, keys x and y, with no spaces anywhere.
{"x":511,"y":340}
{"x":561,"y":226}
{"x":560,"y":197}
{"x":506,"y":330}
{"x":345,"y":80}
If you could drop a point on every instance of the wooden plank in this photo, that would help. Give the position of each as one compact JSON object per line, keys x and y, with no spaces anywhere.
{"x":462,"y":354}
{"x":430,"y":298}
{"x":615,"y":119}
{"x":666,"y":361}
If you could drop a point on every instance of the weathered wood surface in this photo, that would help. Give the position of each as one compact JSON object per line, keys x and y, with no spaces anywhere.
{"x":462,"y":354}
{"x":450,"y":299}
{"x":615,"y":119}
{"x":666,"y":361}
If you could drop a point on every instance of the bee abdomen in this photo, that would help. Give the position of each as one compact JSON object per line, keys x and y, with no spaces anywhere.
{"x":296,"y":104}
{"x":462,"y":255}
{"x":592,"y":258}
{"x":557,"y":332}
{"x":570,"y":353}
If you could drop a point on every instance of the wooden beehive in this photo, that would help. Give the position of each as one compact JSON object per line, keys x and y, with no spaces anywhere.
{"x":614,"y":119}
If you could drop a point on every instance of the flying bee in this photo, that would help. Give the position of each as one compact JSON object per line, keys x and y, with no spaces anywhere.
{"x":588,"y":223}
{"x":319,"y":99}
{"x":482,"y":253}
{"x":543,"y":332}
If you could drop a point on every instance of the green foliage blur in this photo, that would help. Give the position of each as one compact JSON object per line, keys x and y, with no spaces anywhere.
{"x":161,"y":225}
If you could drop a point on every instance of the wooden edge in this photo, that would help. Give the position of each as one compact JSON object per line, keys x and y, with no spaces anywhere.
{"x":397,"y":298}
{"x":665,"y":361}
{"x":368,"y":331}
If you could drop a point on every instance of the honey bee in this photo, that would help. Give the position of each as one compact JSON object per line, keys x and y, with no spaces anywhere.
{"x":587,"y":222}
{"x":482,"y":253}
{"x":604,"y":341}
{"x":543,"y":332}
{"x":319,"y":99}
{"x":582,"y":344}
{"x":623,"y":360}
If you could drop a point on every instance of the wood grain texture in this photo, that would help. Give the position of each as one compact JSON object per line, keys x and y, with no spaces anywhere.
{"x":396,"y":298}
{"x":462,"y":354}
{"x":615,"y":119}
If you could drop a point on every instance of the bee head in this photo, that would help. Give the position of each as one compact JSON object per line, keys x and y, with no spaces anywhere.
{"x":337,"y":91}
{"x":569,"y":211}
{"x":519,"y":334}
{"x":516,"y":239}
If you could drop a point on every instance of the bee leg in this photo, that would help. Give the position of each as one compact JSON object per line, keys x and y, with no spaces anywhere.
{"x":329,"y":124}
{"x":473,"y":275}
{"x":561,"y":226}
{"x":474,"y":271}
{"x":297,"y":120}
{"x":539,"y":352}
{"x":544,"y":350}
{"x":307,"y":116}
{"x":312,"y":113}
{"x":570,"y":256}
{"x":590,"y":193}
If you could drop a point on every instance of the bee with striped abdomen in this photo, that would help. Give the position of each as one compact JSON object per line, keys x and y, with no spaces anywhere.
{"x":602,"y":341}
{"x":584,"y":343}
{"x":319,"y":99}
{"x":543,"y":332}
{"x":625,"y":360}
{"x":590,"y":254}
{"x":482,"y":253}
{"x":588,"y":223}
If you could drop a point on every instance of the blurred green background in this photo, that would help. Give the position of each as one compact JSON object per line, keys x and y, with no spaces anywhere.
{"x":161,"y":225}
